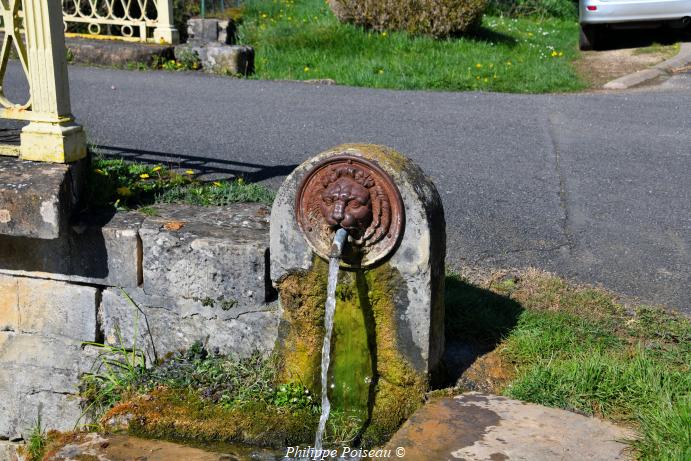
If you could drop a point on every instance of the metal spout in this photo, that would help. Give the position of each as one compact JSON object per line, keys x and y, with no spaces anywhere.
{"x":339,"y":241}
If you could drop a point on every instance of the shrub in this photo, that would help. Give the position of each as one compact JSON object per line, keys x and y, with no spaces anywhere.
{"x":563,"y":9}
{"x":438,"y":18}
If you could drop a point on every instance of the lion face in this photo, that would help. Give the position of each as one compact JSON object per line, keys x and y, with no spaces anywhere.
{"x":346,"y":203}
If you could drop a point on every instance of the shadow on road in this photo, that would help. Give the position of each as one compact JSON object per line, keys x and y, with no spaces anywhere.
{"x":207,"y":169}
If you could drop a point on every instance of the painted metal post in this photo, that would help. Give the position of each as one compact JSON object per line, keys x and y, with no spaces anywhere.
{"x":165,"y":31}
{"x":51,"y":135}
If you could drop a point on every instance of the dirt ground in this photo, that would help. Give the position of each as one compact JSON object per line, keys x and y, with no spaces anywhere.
{"x":600,"y":67}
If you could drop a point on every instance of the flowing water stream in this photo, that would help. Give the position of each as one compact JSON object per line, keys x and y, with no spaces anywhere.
{"x":334,"y":263}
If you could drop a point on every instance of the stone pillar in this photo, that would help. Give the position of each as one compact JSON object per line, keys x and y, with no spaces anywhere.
{"x":166,"y":32}
{"x":52,"y":135}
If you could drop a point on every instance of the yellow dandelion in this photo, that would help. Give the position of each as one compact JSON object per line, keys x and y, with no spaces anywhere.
{"x":384,"y":34}
{"x":478,"y":65}
{"x":123,"y":191}
{"x":561,"y":53}
{"x":144,"y":176}
{"x":217,"y":184}
{"x":156,"y":168}
{"x":306,"y":69}
{"x":190,"y":172}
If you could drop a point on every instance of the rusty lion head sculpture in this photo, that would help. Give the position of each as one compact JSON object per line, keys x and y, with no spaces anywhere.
{"x":351,"y":199}
{"x":355,"y":194}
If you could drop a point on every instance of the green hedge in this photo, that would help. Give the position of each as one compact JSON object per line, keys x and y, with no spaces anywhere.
{"x":564,"y":9}
{"x":436,"y":18}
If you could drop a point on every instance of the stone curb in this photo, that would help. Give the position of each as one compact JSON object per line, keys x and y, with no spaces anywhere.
{"x":683,"y":58}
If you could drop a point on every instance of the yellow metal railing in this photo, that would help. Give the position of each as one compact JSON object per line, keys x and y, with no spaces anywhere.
{"x":134,"y":20}
{"x":34,"y":32}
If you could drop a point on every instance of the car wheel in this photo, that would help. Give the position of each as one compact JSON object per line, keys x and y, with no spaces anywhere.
{"x":589,"y":37}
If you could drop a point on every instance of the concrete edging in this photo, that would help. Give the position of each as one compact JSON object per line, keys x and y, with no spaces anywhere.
{"x":683,"y":58}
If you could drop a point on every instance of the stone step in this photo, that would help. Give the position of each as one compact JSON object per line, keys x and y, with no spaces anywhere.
{"x":476,"y":426}
{"x":36,"y":199}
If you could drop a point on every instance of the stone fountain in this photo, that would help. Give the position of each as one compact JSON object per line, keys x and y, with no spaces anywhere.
{"x":388,"y":324}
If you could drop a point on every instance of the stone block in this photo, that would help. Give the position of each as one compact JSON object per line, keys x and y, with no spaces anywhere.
{"x":9,"y":451}
{"x":115,"y":52}
{"x":48,"y":308}
{"x":37,"y":199}
{"x":208,"y":253}
{"x":40,"y":375}
{"x":221,"y":58}
{"x":203,"y":30}
{"x":227,"y":31}
{"x":101,"y":249}
{"x":231,"y":59}
{"x":159,"y":325}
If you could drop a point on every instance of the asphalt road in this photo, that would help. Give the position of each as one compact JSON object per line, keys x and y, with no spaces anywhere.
{"x":595,"y":187}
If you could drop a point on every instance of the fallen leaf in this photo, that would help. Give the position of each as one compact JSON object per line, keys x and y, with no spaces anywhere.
{"x":173,"y":225}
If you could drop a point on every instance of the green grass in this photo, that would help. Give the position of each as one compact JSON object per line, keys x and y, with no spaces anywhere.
{"x":666,"y":50}
{"x":37,"y":442}
{"x":121,"y":185}
{"x":579,"y":349}
{"x":302,"y":40}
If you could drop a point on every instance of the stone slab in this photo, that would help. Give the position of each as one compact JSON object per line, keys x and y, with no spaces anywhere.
{"x":204,"y":30}
{"x":8,"y":451}
{"x":40,"y":375}
{"x":100,"y":249}
{"x":48,"y":308}
{"x":635,"y":79}
{"x":221,"y":58}
{"x":217,"y":253}
{"x":36,"y":199}
{"x":476,"y":426}
{"x":120,"y":447}
{"x":160,"y":325}
{"x":115,"y":52}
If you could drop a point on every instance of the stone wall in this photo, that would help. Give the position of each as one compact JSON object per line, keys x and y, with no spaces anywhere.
{"x":193,"y":274}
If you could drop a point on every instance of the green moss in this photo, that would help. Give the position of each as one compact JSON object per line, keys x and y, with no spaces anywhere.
{"x":353,"y":351}
{"x":400,"y":389}
{"x":303,"y":297}
{"x":172,"y":414}
{"x":373,"y":380}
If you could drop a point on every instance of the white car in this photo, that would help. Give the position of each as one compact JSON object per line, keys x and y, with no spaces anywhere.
{"x":596,"y":15}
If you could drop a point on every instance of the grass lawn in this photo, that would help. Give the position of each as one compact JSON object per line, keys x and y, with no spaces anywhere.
{"x":579,"y":349}
{"x":302,"y":40}
{"x":121,"y":185}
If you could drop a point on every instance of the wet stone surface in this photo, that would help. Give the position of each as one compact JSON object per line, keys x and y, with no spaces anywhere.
{"x":36,"y":198}
{"x":476,"y":426}
{"x":125,"y":448}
